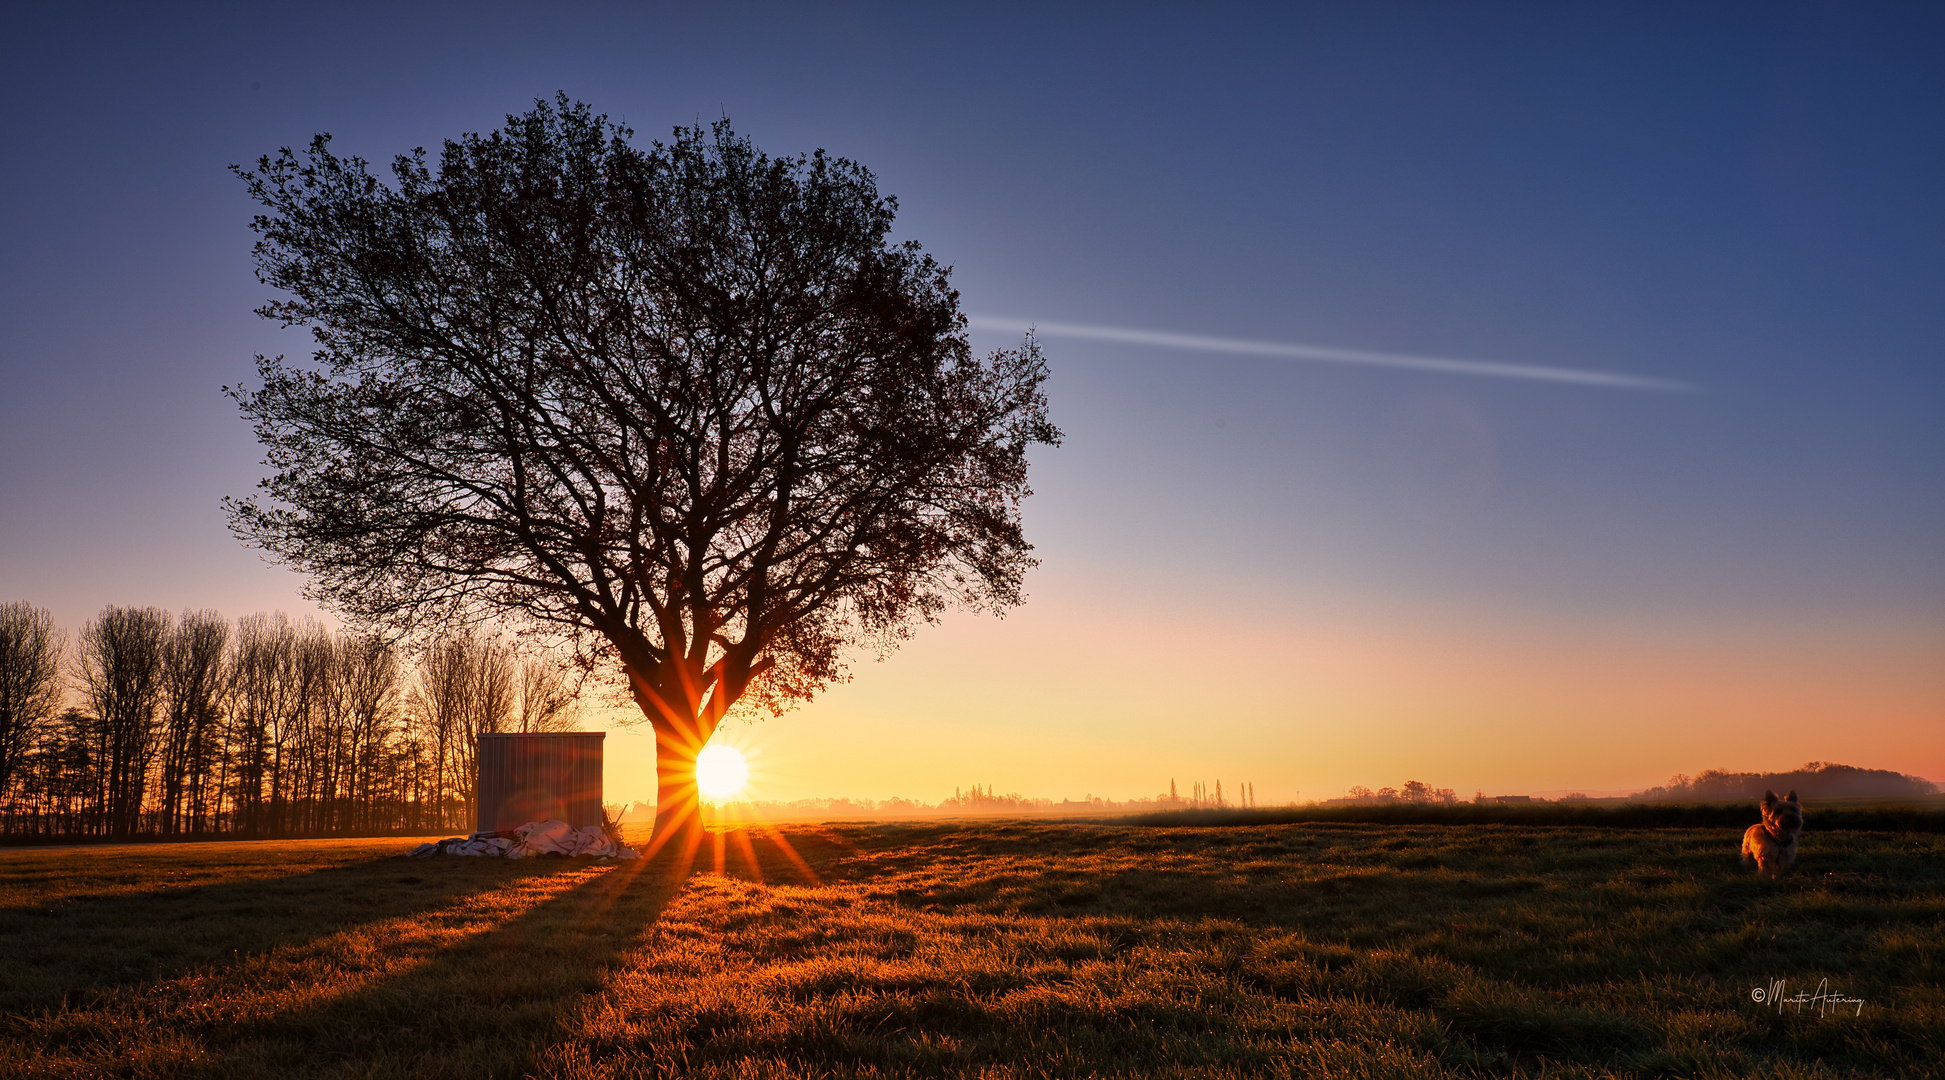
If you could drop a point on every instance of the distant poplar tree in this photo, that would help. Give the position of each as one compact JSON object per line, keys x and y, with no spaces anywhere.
{"x":121,"y":667}
{"x":30,"y":682}
{"x":547,"y":694}
{"x":192,"y":676}
{"x":466,"y":686}
{"x":368,"y":674}
{"x":262,"y":694}
{"x":305,"y":770}
{"x":60,"y":774}
{"x":440,"y":703}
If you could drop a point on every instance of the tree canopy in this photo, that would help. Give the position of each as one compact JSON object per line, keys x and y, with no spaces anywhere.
{"x":689,"y":402}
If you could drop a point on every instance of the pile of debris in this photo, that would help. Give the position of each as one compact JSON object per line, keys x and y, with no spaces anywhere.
{"x":535,"y":838}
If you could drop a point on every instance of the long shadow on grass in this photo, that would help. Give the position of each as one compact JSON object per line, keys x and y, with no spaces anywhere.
{"x":483,"y":1005}
{"x":73,"y":948}
{"x":467,"y":973}
{"x":489,"y":996}
{"x":491,"y":1001}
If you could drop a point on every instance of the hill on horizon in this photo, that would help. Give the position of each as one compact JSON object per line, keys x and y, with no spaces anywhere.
{"x":1815,"y":780}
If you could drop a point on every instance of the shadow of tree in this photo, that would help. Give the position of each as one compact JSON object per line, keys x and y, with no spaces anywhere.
{"x":802,"y":855}
{"x":469,"y":974}
{"x":488,"y":968}
{"x":485,"y":1004}
{"x":64,"y":949}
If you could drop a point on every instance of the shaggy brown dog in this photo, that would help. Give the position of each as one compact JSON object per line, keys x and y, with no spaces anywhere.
{"x":1771,"y":846}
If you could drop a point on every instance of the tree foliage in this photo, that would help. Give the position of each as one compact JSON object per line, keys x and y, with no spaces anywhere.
{"x":688,"y":402}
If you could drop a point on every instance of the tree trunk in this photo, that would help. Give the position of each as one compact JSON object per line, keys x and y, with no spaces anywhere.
{"x":678,"y":803}
{"x":680,"y":734}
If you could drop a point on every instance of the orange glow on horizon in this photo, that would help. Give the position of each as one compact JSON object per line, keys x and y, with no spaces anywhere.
{"x":1066,"y":698}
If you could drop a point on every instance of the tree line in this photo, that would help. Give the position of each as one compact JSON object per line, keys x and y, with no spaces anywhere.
{"x":977,"y":799}
{"x":154,"y":724}
{"x":1815,"y":780}
{"x":1414,"y":791}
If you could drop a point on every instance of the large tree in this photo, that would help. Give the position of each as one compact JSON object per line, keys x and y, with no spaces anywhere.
{"x":688,"y":402}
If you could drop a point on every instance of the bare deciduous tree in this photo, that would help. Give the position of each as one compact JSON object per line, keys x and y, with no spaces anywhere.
{"x":192,"y":677}
{"x":496,"y":685}
{"x":464,"y":688}
{"x":547,"y":694}
{"x":306,"y":776}
{"x":277,"y":728}
{"x":30,"y":682}
{"x":368,"y":674}
{"x":440,"y":701}
{"x":121,"y":662}
{"x":262,"y":692}
{"x":687,"y":402}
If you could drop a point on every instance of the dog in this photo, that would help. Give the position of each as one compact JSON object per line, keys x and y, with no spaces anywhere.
{"x":1771,"y":846}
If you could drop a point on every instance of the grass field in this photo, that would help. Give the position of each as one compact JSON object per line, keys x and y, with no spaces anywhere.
{"x":991,"y":949}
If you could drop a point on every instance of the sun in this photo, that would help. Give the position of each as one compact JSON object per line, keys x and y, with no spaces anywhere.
{"x":721,"y":771}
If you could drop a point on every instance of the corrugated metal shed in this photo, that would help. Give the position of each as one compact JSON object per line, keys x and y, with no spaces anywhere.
{"x":526,"y":778}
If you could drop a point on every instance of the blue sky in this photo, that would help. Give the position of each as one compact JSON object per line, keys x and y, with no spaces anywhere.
{"x":1314,"y":575}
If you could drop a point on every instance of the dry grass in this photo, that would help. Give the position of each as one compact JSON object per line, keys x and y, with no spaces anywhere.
{"x":984,"y":949}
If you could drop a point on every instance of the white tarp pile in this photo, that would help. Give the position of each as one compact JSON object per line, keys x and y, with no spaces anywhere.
{"x":533,"y":838}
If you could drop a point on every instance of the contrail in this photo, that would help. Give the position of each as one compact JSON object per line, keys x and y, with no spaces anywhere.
{"x":1329,"y":355}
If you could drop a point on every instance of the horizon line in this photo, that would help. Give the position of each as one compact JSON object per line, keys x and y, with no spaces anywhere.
{"x":1329,"y":354}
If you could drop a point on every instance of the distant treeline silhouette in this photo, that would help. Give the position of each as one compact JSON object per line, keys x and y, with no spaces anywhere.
{"x":1815,"y":780}
{"x":977,"y":799}
{"x":1906,"y":817}
{"x":195,"y":726}
{"x":1414,"y":792}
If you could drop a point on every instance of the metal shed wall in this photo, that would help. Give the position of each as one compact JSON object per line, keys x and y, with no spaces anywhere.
{"x":526,"y":778}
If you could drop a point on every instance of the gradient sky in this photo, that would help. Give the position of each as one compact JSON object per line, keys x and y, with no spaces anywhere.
{"x":1254,"y":567}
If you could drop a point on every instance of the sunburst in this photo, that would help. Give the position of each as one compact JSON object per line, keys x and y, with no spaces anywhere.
{"x":721,"y":771}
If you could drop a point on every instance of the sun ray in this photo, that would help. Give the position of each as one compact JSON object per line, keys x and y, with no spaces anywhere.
{"x":742,"y":838}
{"x":776,"y":836}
